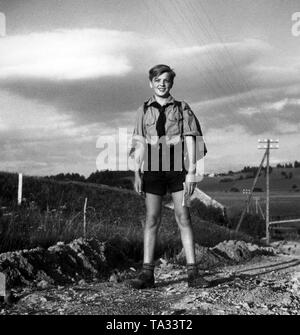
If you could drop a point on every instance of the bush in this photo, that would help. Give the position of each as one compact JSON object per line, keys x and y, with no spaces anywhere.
{"x":252,"y":225}
{"x":234,"y":189}
{"x":257,"y":189}
{"x":226,"y":180}
{"x":112,"y":178}
{"x":125,"y":183}
{"x":209,"y":213}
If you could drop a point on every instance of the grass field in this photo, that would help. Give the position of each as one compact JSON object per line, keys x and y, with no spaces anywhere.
{"x":284,"y":192}
{"x":53,"y":212}
{"x":282,"y":205}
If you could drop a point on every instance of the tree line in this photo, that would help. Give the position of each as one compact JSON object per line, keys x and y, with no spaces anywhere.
{"x":107,"y":177}
{"x":296,"y":164}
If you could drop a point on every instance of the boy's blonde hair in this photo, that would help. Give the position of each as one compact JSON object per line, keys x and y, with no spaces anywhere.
{"x":159,"y":69}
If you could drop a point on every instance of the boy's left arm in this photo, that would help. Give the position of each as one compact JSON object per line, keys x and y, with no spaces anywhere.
{"x":190,"y":177}
{"x":193,"y":138}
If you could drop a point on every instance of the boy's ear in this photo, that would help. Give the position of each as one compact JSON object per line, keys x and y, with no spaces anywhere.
{"x":150,"y":84}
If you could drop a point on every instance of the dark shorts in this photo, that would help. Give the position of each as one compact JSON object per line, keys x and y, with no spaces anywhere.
{"x":159,"y":182}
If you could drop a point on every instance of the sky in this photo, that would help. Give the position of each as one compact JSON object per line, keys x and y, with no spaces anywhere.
{"x":73,"y":71}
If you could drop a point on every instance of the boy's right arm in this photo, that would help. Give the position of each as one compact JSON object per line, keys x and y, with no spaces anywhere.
{"x":138,"y":148}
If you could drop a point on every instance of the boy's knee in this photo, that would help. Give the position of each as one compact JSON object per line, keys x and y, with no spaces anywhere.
{"x":152,"y":220}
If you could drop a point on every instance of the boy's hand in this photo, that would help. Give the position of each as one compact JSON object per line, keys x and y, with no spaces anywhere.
{"x":190,"y":183}
{"x":190,"y":187}
{"x":138,"y":184}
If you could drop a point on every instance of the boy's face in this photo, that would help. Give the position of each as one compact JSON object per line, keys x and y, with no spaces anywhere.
{"x":162,"y":85}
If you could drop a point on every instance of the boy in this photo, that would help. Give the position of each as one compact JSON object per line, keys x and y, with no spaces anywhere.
{"x":163,"y":126}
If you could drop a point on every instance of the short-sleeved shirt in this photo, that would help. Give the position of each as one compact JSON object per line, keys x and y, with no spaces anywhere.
{"x":180,"y":122}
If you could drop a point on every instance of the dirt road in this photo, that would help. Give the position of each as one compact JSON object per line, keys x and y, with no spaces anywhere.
{"x":264,"y":285}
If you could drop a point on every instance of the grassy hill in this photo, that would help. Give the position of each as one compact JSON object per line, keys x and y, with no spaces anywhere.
{"x":284,"y":192}
{"x":241,"y":180}
{"x":53,"y":211}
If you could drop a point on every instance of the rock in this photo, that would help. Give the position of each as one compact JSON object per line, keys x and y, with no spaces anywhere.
{"x":33,"y":299}
{"x":245,"y":305}
{"x":43,"y":284}
{"x":225,"y":252}
{"x":114,"y":278}
{"x":233,"y":250}
{"x":59,"y":264}
{"x":205,"y":257}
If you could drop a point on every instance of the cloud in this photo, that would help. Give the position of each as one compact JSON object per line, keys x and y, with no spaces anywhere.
{"x":90,"y":94}
{"x":281,"y":104}
{"x":60,"y":90}
{"x":66,"y":54}
{"x":38,"y":139}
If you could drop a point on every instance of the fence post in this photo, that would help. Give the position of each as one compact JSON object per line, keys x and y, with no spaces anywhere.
{"x":2,"y":284}
{"x":84,"y":218}
{"x":20,"y":188}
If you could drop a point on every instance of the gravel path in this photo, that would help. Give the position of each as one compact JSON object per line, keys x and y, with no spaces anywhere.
{"x":264,"y":285}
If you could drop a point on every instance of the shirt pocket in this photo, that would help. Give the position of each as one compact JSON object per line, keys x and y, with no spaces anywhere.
{"x":174,"y":124}
{"x":150,"y":125}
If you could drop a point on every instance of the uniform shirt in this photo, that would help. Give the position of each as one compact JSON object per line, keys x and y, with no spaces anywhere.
{"x":178,"y":125}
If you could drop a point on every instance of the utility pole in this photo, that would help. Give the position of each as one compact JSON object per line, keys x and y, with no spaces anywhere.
{"x":267,"y":147}
{"x":251,"y":193}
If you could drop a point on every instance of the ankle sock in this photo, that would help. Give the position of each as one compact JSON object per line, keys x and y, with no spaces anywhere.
{"x":148,"y":268}
{"x":191,"y":269}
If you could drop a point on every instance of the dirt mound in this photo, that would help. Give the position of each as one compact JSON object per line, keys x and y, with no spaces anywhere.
{"x":226,"y":252}
{"x":89,"y":259}
{"x":61,"y":263}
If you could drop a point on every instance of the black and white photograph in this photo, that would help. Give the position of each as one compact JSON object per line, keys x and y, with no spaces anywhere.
{"x":150,"y":160}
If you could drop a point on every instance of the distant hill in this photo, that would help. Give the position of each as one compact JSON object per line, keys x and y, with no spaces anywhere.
{"x":123,"y":179}
{"x":281,"y":180}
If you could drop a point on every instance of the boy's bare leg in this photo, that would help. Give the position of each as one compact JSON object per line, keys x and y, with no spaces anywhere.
{"x":183,"y":220}
{"x":153,"y":218}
